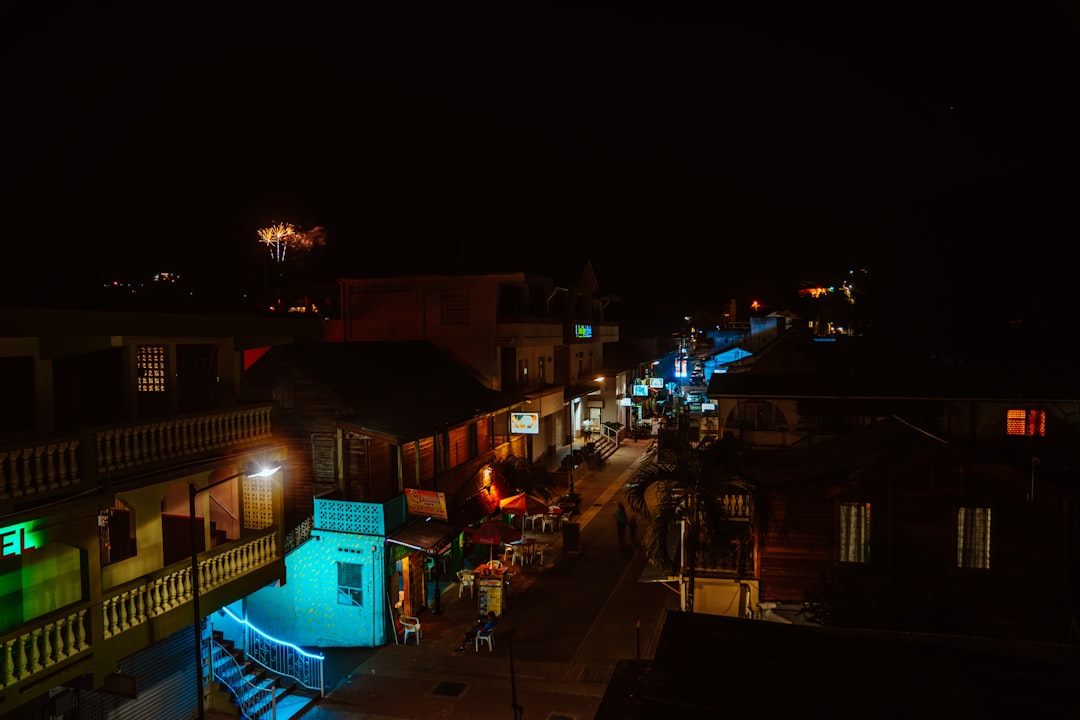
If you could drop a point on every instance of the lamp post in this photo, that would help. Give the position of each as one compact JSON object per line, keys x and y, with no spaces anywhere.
{"x":192,"y":492}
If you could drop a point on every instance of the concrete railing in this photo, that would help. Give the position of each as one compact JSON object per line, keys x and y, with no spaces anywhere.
{"x":53,"y":464}
{"x":159,"y":593}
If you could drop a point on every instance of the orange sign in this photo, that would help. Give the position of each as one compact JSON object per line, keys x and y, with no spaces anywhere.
{"x":426,"y":503}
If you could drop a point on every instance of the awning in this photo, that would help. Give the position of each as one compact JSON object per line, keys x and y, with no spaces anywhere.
{"x":425,"y":535}
{"x":580,"y":390}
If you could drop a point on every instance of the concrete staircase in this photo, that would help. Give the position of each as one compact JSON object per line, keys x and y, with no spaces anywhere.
{"x":251,"y":686}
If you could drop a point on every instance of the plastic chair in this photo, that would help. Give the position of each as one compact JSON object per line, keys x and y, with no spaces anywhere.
{"x":466,"y":579}
{"x":495,"y":563}
{"x":484,"y":637}
{"x":411,"y":625}
{"x":518,"y":554}
{"x":538,"y":552}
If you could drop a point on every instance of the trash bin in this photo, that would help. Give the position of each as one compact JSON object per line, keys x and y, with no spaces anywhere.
{"x":571,"y":537}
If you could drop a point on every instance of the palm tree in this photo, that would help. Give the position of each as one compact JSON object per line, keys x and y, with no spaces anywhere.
{"x":523,"y":476}
{"x":684,"y":497}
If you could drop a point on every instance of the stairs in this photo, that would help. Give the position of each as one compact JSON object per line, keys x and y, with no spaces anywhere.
{"x":256,"y":691}
{"x":606,"y":447}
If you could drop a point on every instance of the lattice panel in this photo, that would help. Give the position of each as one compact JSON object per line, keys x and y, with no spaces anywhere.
{"x":258,"y":503}
{"x":350,"y":517}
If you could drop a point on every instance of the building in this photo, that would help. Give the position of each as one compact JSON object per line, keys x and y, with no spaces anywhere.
{"x":116,"y":428}
{"x":515,"y":332}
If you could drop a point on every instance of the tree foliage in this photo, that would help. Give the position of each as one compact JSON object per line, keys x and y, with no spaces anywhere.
{"x":692,"y":486}
{"x":521,"y":475}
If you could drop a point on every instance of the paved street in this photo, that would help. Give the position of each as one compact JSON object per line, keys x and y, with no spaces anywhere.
{"x":566,"y":625}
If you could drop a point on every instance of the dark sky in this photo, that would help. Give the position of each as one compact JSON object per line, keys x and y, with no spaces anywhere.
{"x":689,"y":159}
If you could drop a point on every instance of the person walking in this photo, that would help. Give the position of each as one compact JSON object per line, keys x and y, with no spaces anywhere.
{"x":620,"y":524}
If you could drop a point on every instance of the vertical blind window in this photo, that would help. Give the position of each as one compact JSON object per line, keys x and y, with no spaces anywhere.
{"x":973,"y":538}
{"x":855,"y":532}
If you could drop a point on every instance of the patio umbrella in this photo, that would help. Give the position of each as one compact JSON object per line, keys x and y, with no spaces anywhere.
{"x":523,"y":505}
{"x":493,"y":532}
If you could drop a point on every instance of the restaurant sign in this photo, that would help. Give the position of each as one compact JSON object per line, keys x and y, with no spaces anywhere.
{"x":426,"y":503}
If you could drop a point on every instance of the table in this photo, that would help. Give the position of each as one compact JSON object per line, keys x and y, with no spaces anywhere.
{"x":526,"y":545}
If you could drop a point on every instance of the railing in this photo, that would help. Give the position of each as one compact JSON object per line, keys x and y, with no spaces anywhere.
{"x":254,"y":701}
{"x":158,"y":594}
{"x":281,"y":657}
{"x":299,"y":535}
{"x":38,"y":468}
{"x":129,"y":447}
{"x":50,"y":465}
{"x":36,"y":650}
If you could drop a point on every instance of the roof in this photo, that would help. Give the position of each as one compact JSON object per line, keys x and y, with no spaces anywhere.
{"x":399,"y":390}
{"x":804,"y":671}
{"x":426,"y":535}
{"x":796,"y":365}
{"x":579,"y":390}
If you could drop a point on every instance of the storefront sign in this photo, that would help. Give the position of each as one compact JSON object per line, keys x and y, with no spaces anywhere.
{"x":426,"y":503}
{"x":16,"y":539}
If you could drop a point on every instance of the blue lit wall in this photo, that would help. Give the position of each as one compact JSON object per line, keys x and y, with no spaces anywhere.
{"x":309,"y":611}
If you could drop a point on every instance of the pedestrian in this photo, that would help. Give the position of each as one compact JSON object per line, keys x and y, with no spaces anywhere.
{"x":484,"y":624}
{"x":620,"y":523}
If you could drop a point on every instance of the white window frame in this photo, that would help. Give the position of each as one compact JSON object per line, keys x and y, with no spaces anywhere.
{"x":973,"y":538}
{"x":854,"y":533}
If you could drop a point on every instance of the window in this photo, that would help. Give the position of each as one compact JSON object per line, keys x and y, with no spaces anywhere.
{"x":973,"y":538}
{"x":757,"y":415}
{"x":350,"y":589}
{"x":454,"y":309}
{"x":150,"y":361}
{"x":855,"y":532}
{"x":1029,"y":423}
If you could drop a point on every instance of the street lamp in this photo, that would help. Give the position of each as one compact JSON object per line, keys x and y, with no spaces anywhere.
{"x":192,"y":492}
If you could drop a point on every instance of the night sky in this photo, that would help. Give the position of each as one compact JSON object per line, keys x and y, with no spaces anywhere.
{"x":690,"y":159}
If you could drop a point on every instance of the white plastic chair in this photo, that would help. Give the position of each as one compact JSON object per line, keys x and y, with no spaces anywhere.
{"x":485,"y":637}
{"x":495,"y":563}
{"x":518,"y":554}
{"x":466,"y":579}
{"x":411,"y":625}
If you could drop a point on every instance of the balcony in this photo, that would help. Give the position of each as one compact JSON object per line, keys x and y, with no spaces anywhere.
{"x":52,"y":491}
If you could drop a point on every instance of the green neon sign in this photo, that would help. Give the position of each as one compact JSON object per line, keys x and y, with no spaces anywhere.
{"x":17,"y":539}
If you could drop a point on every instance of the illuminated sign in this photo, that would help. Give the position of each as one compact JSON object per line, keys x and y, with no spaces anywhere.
{"x":657,"y":382}
{"x":17,"y":539}
{"x":641,"y":391}
{"x":426,"y":503}
{"x":525,"y":423}
{"x":583,"y":331}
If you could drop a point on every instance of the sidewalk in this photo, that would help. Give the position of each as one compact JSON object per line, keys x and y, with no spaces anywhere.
{"x":565,"y":626}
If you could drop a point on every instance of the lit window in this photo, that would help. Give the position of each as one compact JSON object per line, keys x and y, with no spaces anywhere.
{"x":454,"y":309}
{"x":350,"y":588}
{"x":855,"y":532}
{"x":1029,"y":423}
{"x":973,"y":538}
{"x":150,"y":361}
